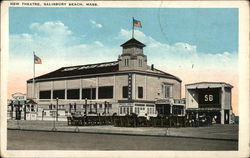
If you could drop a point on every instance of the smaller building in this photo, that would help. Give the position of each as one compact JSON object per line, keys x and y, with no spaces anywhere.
{"x":15,"y":106}
{"x":210,"y":100}
{"x":19,"y":108}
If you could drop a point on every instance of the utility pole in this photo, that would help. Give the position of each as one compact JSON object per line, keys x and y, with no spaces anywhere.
{"x":105,"y":106}
{"x":56,"y":109}
{"x":24,"y":110}
{"x":108,"y":106}
{"x":86,"y":101}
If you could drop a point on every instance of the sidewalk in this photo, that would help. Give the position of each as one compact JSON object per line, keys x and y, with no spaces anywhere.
{"x":219,"y":132}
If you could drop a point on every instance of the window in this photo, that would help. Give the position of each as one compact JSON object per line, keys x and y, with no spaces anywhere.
{"x":60,"y":94}
{"x":105,"y":92}
{"x":140,"y":92}
{"x":45,"y":94}
{"x":167,"y":90}
{"x":73,"y":94}
{"x":32,"y":108}
{"x":126,"y":62}
{"x":177,"y":110}
{"x":127,"y":112}
{"x":100,"y":106}
{"x":120,"y":110}
{"x":137,"y":110}
{"x":89,"y":93}
{"x":140,"y":62}
{"x":125,"y":91}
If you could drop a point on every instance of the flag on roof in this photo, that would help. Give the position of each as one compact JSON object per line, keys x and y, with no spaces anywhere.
{"x":137,"y":23}
{"x":37,"y":60}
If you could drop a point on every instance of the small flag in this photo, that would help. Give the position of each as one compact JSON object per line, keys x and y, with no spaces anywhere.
{"x":37,"y":60}
{"x":137,"y":23}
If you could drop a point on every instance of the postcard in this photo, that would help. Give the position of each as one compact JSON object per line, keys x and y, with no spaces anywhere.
{"x":124,"y":79}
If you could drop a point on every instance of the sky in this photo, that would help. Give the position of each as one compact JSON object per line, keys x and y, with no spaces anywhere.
{"x":194,"y":44}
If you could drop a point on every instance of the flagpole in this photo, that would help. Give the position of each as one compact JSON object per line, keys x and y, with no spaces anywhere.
{"x":33,"y":91}
{"x":133,"y":28}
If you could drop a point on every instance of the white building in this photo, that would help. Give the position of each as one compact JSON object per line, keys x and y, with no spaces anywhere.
{"x":211,"y":99}
{"x":125,"y":86}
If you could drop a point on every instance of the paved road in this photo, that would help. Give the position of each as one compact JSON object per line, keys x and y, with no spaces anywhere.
{"x":215,"y":131}
{"x":34,"y":140}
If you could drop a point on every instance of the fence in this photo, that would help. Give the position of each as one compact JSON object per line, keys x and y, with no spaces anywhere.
{"x":134,"y":121}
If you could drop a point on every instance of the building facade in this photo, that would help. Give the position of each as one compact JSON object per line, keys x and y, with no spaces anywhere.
{"x":120,"y":87}
{"x":210,"y":99}
{"x":19,"y":108}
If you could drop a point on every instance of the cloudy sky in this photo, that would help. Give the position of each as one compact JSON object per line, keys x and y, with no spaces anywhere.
{"x":194,"y":44}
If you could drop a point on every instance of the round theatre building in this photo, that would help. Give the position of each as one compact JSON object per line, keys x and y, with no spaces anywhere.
{"x":211,"y":100}
{"x":125,"y":86}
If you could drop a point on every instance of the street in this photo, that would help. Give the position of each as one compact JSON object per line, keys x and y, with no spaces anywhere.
{"x":39,"y":140}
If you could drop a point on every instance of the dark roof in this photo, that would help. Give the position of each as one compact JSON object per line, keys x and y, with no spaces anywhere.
{"x":31,"y":102}
{"x":94,"y":69}
{"x":133,"y":42}
{"x":81,"y":70}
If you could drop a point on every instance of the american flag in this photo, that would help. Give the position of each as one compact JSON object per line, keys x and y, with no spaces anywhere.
{"x":137,"y":23}
{"x":37,"y":60}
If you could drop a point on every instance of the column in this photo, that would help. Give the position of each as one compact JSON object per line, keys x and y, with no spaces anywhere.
{"x":52,"y":87}
{"x":222,"y":104}
{"x":80,"y":89}
{"x":37,"y":90}
{"x":65,"y":86}
{"x":97,"y":85}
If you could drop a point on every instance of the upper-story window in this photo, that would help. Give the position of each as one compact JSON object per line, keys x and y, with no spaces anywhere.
{"x":105,"y":92}
{"x":167,"y":90}
{"x":125,"y":91}
{"x":60,"y":94}
{"x":45,"y":94}
{"x":140,"y":92}
{"x":126,"y":62}
{"x":140,"y":62}
{"x":73,"y":94}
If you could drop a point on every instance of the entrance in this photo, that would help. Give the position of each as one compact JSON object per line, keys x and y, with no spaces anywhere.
{"x":212,"y":116}
{"x":163,"y":109}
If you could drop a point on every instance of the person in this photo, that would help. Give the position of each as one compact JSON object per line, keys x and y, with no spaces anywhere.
{"x":147,"y":116}
{"x":214,"y":119}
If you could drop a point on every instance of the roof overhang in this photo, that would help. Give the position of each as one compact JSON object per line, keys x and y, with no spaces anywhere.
{"x":203,"y":85}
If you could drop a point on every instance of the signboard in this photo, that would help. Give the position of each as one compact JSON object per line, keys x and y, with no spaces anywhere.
{"x":209,"y":98}
{"x":129,"y":86}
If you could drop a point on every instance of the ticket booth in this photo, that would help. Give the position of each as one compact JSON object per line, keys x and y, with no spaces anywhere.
{"x":210,"y":99}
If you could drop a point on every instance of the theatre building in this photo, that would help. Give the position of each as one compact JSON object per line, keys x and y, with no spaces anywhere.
{"x":211,"y":100}
{"x":125,"y":86}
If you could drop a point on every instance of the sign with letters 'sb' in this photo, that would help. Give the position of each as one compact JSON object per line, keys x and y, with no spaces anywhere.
{"x":129,"y":86}
{"x":209,"y":98}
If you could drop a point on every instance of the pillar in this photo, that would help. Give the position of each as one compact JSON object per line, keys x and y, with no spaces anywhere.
{"x":222,"y":105}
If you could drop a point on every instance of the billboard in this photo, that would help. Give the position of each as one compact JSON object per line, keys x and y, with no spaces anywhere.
{"x":209,"y":98}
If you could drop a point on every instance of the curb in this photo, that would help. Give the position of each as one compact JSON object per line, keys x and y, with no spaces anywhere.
{"x":125,"y":134}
